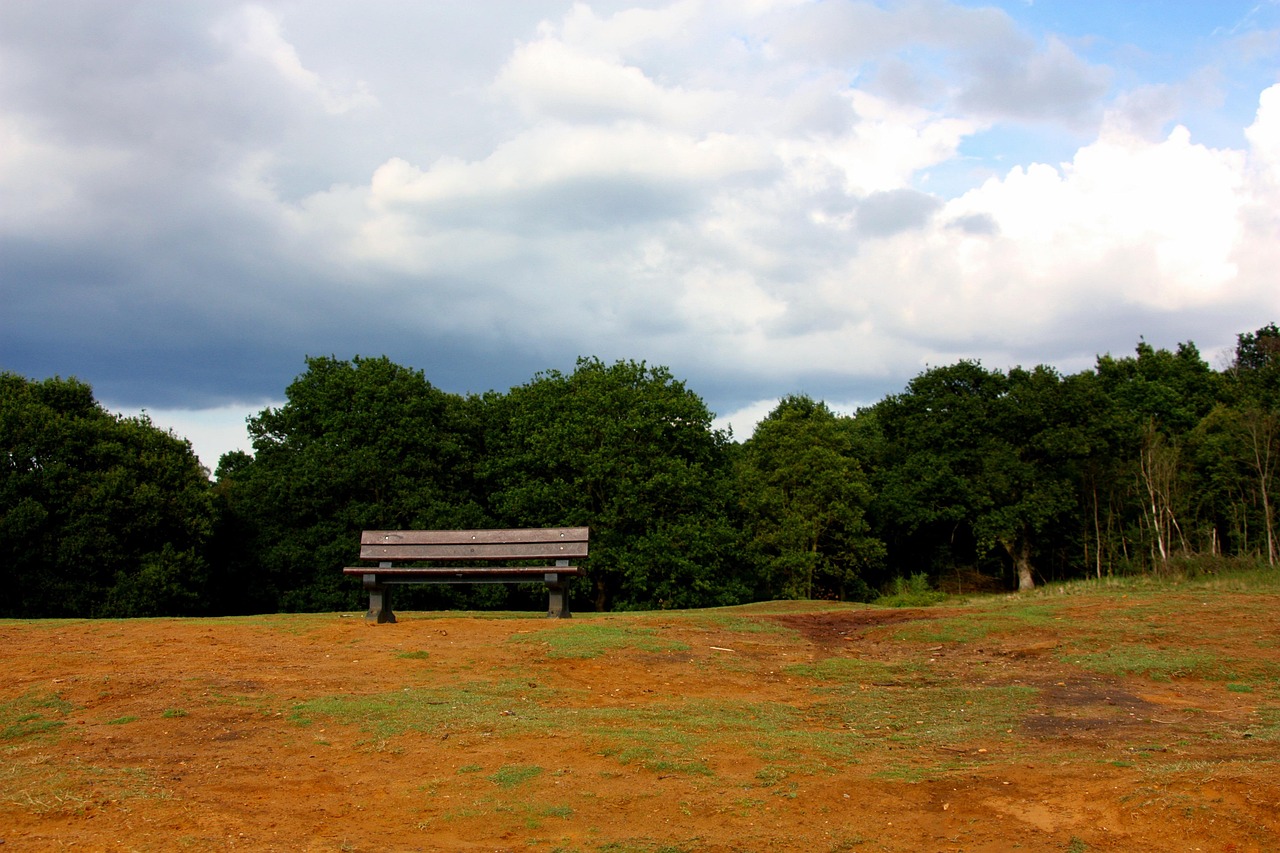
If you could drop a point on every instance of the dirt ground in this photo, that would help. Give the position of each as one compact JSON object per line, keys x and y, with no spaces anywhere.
{"x":220,"y":734}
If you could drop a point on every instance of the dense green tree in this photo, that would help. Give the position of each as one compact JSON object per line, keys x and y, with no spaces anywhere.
{"x":629,"y":451}
{"x":927,"y":481}
{"x":1226,"y":501}
{"x":1258,"y":351}
{"x":804,"y":496}
{"x":1025,"y":473}
{"x":359,"y":444}
{"x":1254,"y":380}
{"x":976,"y":460}
{"x":1156,"y":399}
{"x":1172,"y":389}
{"x":100,"y":515}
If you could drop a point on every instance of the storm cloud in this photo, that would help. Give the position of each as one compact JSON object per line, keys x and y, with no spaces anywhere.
{"x":767,"y":198}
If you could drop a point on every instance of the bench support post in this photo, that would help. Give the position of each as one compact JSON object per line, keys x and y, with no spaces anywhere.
{"x":379,"y":600}
{"x":558,"y":595}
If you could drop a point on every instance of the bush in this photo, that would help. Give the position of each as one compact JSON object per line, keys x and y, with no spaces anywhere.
{"x":913,"y":592}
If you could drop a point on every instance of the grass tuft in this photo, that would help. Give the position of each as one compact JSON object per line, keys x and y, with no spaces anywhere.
{"x":915,"y":591}
{"x":591,"y":640}
{"x":512,"y":775}
{"x":32,"y":715}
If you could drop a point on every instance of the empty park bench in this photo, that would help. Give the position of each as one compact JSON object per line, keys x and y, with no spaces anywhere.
{"x":436,"y":547}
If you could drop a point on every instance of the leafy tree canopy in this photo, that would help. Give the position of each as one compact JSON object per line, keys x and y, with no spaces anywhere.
{"x":628,"y":450}
{"x":804,"y":496}
{"x":359,"y":444}
{"x":100,"y":515}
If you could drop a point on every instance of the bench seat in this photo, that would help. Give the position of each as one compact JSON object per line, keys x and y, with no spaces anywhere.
{"x":389,"y":547}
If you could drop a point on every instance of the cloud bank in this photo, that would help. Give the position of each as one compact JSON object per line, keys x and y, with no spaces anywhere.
{"x":768,"y":197}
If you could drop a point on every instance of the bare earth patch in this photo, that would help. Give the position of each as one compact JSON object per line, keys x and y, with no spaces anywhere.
{"x":781,"y":727}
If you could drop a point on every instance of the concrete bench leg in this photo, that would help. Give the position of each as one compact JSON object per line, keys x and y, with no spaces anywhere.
{"x":379,"y":601}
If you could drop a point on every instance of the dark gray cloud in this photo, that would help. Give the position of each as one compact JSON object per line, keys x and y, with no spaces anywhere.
{"x":886,"y":213}
{"x":194,"y":196}
{"x":982,"y":224}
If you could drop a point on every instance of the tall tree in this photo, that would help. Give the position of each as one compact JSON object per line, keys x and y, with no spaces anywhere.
{"x":1157,"y":399}
{"x":1256,"y":374}
{"x":804,"y":496}
{"x":976,"y":457}
{"x":629,"y":451}
{"x":100,"y":515}
{"x":359,"y":444}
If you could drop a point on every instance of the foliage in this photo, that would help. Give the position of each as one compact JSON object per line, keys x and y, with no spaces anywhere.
{"x":360,"y":444}
{"x":100,"y":515}
{"x":1143,"y":464}
{"x":629,"y":451}
{"x":804,"y":497}
{"x":914,"y":591}
{"x":977,"y":458}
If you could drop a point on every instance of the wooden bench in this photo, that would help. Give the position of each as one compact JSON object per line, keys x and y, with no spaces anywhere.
{"x":389,"y":547}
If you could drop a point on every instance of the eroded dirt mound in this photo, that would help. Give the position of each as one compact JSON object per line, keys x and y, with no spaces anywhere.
{"x":834,"y":627}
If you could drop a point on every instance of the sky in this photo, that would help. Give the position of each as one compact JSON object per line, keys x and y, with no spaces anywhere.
{"x":768,"y":197}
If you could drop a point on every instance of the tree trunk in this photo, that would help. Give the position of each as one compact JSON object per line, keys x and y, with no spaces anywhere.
{"x":1262,"y":429}
{"x":1019,"y":550}
{"x":1097,"y":532}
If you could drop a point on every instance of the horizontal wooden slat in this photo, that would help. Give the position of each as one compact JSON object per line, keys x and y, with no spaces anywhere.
{"x":553,"y":543}
{"x":470,"y":551}
{"x":444,"y":571}
{"x":460,"y":537}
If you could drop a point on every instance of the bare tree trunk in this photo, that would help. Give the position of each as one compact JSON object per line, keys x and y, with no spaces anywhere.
{"x":1262,"y":430}
{"x":1097,"y":532}
{"x":1158,"y":471}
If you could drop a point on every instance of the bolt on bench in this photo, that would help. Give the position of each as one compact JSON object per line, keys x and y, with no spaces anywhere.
{"x":389,"y":547}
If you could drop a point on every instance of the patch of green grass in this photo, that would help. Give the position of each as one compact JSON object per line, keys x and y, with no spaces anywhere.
{"x":930,"y":715}
{"x":856,"y":671}
{"x":1266,"y":725}
{"x":913,"y":774}
{"x":646,"y":758}
{"x":974,"y":625}
{"x":42,"y":785}
{"x":418,"y":655}
{"x":770,"y":775}
{"x":722,"y":621}
{"x":505,"y":706}
{"x":511,"y":775}
{"x":173,"y":713}
{"x":32,"y":715}
{"x":1156,"y":664}
{"x":120,"y":721}
{"x":533,"y":816}
{"x":593,"y":639}
{"x":677,"y":738}
{"x":1203,"y":771}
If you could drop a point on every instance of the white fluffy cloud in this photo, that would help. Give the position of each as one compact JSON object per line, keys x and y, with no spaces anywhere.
{"x":768,"y":197}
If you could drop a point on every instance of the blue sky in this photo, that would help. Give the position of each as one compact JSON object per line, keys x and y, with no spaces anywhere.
{"x":769,"y":197}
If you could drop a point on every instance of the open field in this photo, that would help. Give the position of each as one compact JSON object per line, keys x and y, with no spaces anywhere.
{"x":1123,"y":717}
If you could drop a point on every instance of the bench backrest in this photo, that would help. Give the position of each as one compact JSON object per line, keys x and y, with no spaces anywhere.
{"x":551,"y":543}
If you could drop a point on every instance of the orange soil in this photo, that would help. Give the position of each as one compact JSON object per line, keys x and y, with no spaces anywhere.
{"x":182,"y":734}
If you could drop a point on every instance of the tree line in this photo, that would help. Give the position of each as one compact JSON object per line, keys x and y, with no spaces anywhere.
{"x":970,"y":476}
